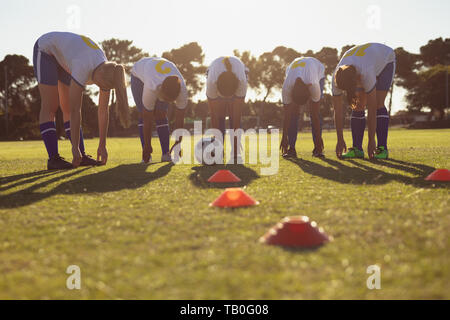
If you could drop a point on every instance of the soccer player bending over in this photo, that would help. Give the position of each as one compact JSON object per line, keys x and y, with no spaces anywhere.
{"x":64,"y":63}
{"x":227,"y":81}
{"x":365,"y":73}
{"x":155,"y":83}
{"x":305,"y":79}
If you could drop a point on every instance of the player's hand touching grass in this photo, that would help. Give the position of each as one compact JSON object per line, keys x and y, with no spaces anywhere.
{"x":102,"y":155}
{"x":340,"y":148}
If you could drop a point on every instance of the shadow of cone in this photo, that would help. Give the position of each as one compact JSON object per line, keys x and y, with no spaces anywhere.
{"x":439,"y":175}
{"x":234,"y":198}
{"x":296,"y":232}
{"x":224,"y":176}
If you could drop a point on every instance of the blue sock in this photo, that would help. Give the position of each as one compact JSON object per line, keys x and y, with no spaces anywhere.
{"x":48,"y":132}
{"x":293,"y":131}
{"x":312,"y":128}
{"x":382,"y":127}
{"x":358,"y":127}
{"x":68,"y":135}
{"x":141,"y":131}
{"x":162,"y":127}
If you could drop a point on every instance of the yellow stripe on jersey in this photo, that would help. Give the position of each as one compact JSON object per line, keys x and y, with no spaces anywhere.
{"x":90,"y":43}
{"x":299,"y":63}
{"x":360,"y":51}
{"x":159,"y":68}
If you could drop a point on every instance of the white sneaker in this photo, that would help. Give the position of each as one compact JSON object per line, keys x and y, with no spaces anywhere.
{"x":149,"y":161}
{"x":166,"y":158}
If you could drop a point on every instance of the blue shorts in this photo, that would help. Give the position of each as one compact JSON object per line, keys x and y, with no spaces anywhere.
{"x":386,"y":77}
{"x":47,"y":70}
{"x":137,"y":88}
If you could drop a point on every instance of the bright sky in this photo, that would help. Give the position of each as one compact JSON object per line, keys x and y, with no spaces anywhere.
{"x":222,"y":26}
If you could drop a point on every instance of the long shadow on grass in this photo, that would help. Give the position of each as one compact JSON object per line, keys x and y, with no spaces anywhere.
{"x":131,"y":176}
{"x":21,"y":179}
{"x":200,"y":176}
{"x":363,"y":174}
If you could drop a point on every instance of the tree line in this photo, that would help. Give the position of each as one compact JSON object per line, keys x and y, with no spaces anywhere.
{"x":423,"y":75}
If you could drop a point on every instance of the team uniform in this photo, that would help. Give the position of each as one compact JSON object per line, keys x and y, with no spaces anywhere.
{"x":312,"y":72}
{"x":214,"y":71}
{"x":63,"y":57}
{"x":147,"y":76}
{"x":376,"y":63}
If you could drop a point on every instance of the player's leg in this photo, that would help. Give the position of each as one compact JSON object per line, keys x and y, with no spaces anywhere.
{"x":384,"y":83}
{"x":63,"y":91}
{"x":293,"y":130}
{"x":137,"y":89}
{"x":45,"y":69}
{"x":315,"y":111}
{"x":162,"y":127}
{"x":358,"y":127}
{"x":235,"y":111}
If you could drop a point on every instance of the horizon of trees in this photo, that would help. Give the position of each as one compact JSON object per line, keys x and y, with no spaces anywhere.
{"x":423,"y":75}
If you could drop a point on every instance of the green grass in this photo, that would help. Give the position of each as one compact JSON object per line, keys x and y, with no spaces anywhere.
{"x":147,"y":232}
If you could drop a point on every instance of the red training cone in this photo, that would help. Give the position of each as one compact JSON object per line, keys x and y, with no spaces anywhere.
{"x":296,"y":232}
{"x":234,"y":198}
{"x":224,"y":176}
{"x":439,"y":175}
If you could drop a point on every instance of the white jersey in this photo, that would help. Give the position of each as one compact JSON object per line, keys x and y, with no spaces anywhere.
{"x":76,"y":54}
{"x":369,"y":60}
{"x":217,"y":68}
{"x":152,"y":72}
{"x":311,"y":71}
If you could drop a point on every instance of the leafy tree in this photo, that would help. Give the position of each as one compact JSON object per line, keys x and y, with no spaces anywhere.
{"x":122,"y":52}
{"x":429,"y":90}
{"x":436,"y":52}
{"x":23,"y":97}
{"x":189,"y":60}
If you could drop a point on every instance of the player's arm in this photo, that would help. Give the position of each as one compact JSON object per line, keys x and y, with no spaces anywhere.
{"x":75,"y":100}
{"x":339,"y":123}
{"x":103,"y":120}
{"x":372,"y":120}
{"x":147,"y":117}
{"x":286,"y":123}
{"x":315,"y":118}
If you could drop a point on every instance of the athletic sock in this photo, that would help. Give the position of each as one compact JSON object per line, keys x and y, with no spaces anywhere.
{"x":382,"y":127}
{"x":293,"y":131}
{"x":48,"y":132}
{"x":162,"y":127}
{"x":141,"y":132}
{"x":68,"y":135}
{"x":358,"y":123}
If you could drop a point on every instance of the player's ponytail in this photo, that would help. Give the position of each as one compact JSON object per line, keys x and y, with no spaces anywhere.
{"x":120,"y":87}
{"x":300,"y":92}
{"x":346,"y":80}
{"x":227,"y":83}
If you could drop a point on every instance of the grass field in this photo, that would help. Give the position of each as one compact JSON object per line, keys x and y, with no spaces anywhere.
{"x":141,"y":231}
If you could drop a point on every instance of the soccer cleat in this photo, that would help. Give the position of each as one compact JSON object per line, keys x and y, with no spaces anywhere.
{"x":292,"y":153}
{"x":88,"y":161}
{"x":166,"y":158}
{"x":58,"y":163}
{"x":381,"y":153}
{"x":353,"y":153}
